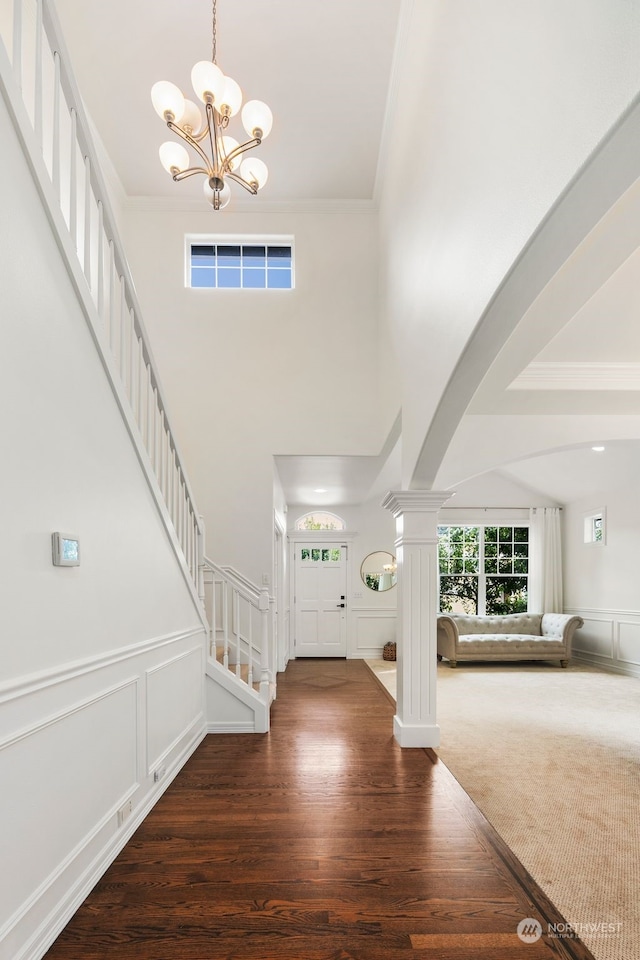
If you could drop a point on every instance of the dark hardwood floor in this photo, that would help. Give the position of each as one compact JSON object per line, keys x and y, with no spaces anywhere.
{"x":321,"y":840}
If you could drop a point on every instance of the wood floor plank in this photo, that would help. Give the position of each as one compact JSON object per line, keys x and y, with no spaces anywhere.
{"x":321,"y":840}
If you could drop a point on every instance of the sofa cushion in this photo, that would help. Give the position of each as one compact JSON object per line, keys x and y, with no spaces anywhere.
{"x":501,"y":643}
{"x":514,"y":623}
{"x":553,"y":624}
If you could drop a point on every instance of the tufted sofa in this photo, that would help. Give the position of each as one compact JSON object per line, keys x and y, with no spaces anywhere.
{"x":516,"y":636}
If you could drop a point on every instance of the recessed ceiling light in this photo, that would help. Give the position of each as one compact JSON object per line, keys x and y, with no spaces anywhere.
{"x":598,"y":449}
{"x":320,"y":490}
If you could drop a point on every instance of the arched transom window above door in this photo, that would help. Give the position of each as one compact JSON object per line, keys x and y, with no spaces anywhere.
{"x":320,"y":520}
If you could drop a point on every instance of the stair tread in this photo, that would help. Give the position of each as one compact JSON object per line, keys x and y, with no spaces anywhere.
{"x":244,"y":669}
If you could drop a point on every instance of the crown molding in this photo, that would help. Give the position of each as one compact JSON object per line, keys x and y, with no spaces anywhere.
{"x":257,"y":208}
{"x":400,"y":502}
{"x":560,"y":375}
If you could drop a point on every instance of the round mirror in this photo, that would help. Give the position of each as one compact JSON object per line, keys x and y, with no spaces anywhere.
{"x":378,"y":571}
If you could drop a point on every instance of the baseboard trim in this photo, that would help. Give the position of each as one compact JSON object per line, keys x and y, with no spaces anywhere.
{"x":416,"y":735}
{"x":229,"y":726}
{"x":618,"y":667}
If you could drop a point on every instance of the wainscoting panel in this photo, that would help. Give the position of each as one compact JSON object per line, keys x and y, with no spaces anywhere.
{"x":629,"y":642}
{"x":169,"y":718}
{"x":372,"y":627}
{"x":77,"y":754}
{"x":609,"y":639}
{"x":595,"y":638}
{"x":68,"y":778}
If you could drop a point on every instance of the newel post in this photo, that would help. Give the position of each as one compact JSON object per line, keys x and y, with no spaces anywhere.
{"x":265,"y":675}
{"x":416,"y":516}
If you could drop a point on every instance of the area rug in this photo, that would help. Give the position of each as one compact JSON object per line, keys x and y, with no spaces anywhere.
{"x":552,"y":759}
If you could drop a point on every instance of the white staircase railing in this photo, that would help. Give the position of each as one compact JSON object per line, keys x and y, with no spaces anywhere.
{"x":41,"y":94}
{"x":241,"y":625}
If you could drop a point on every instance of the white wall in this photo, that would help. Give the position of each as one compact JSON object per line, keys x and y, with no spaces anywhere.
{"x":250,"y":374}
{"x":601,"y":580}
{"x":491,"y":490}
{"x":102,"y":665}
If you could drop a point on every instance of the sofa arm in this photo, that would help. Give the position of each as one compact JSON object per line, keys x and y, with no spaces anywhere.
{"x":561,"y":626}
{"x":447,"y":637}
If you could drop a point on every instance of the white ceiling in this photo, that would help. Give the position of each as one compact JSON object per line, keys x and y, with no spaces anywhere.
{"x":579,"y":473}
{"x":606,"y":328}
{"x":326,"y":481}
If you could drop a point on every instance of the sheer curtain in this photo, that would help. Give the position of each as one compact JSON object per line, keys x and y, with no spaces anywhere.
{"x":545,"y":559}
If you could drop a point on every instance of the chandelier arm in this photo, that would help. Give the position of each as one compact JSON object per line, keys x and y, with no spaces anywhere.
{"x":242,"y":148}
{"x":192,"y":143}
{"x":183,"y":174}
{"x":200,"y":137}
{"x":213,"y":136}
{"x":243,"y":183}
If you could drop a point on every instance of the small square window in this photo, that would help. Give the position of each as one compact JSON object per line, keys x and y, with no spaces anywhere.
{"x":279,"y":257}
{"x":202,"y":256}
{"x":279,"y":279}
{"x":595,"y":527}
{"x":254,"y":279}
{"x":229,"y":277}
{"x":253,"y":256}
{"x":228,"y":256}
{"x":203,"y":277}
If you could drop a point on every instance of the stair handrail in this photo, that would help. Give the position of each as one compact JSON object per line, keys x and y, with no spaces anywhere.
{"x":238,"y":579}
{"x":86,"y":232}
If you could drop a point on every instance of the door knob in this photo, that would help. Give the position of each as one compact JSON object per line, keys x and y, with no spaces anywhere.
{"x":340,"y":604}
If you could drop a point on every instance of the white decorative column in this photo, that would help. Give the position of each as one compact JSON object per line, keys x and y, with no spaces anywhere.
{"x":416,"y":516}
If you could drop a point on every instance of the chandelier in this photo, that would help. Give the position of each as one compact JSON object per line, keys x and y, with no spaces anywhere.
{"x":220,"y":158}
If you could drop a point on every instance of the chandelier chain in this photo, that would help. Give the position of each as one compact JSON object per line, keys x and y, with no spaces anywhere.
{"x":213,"y":33}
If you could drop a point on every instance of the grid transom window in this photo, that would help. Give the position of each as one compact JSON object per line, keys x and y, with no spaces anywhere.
{"x":483,"y":570}
{"x":321,"y":554}
{"x":241,"y":266}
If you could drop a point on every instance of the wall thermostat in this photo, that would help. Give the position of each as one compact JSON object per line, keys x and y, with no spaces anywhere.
{"x":66,"y":550}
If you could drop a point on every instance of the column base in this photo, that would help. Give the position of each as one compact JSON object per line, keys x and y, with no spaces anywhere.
{"x":416,"y":735}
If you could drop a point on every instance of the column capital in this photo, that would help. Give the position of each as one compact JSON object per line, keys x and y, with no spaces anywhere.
{"x":400,"y":502}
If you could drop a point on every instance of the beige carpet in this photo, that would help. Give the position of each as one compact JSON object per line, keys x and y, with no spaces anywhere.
{"x":552,"y":758}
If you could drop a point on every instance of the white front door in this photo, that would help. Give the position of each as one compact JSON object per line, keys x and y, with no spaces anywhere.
{"x":320,"y":600}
